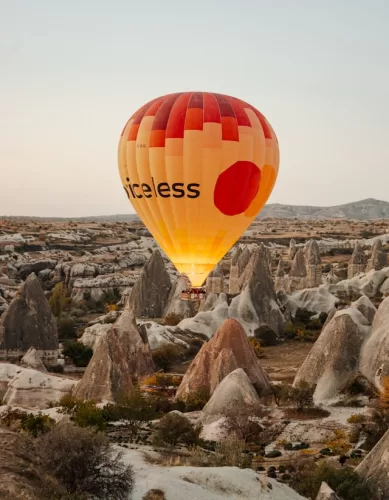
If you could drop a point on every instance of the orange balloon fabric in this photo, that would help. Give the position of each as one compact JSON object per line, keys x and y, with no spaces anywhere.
{"x":197,"y":168}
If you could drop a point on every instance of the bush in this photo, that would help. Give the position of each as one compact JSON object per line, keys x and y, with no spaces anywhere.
{"x":163,"y":380}
{"x":345,"y":482}
{"x":28,"y":422}
{"x":66,"y":328}
{"x":172,"y":319}
{"x":154,"y":494}
{"x":165,"y":356}
{"x":67,"y":402}
{"x":256,"y":346}
{"x":82,"y":461}
{"x":273,"y":454}
{"x":87,"y":414}
{"x":196,"y":400}
{"x":134,"y":408}
{"x":55,"y":368}
{"x":79,"y":353}
{"x":302,"y":395}
{"x":36,"y":424}
{"x":58,"y":300}
{"x":266,"y":336}
{"x":174,"y":429}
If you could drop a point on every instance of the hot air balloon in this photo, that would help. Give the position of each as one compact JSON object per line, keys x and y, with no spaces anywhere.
{"x":197,"y":167}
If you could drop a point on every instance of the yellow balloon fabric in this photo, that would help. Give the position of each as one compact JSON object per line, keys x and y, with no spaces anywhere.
{"x":197,"y":168}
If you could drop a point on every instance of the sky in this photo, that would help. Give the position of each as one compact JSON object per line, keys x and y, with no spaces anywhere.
{"x":71,"y":74}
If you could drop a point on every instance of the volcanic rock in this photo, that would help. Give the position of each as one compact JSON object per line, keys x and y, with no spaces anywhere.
{"x":206,"y":370}
{"x":122,"y":355}
{"x":29,"y":322}
{"x":235,"y":393}
{"x":150,"y":294}
{"x":333,"y":359}
{"x":375,"y":466}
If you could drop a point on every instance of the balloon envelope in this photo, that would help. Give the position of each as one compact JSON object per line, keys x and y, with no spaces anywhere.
{"x":197,"y":168}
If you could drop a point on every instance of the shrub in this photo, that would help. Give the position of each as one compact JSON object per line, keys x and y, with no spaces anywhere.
{"x":172,"y":319}
{"x":339,"y":445}
{"x":67,"y":402}
{"x":273,"y":454}
{"x":134,"y":408}
{"x":58,"y":300}
{"x":28,"y":422}
{"x":266,"y":336}
{"x":345,"y":482}
{"x":256,"y":346}
{"x":79,"y":353}
{"x":82,"y":461}
{"x":55,"y":368}
{"x":196,"y":400}
{"x":154,"y":494}
{"x":384,"y":394}
{"x":244,"y":425}
{"x":163,"y":380}
{"x":174,"y":429}
{"x":357,"y":418}
{"x":302,"y":395}
{"x":87,"y":414}
{"x":165,"y":356}
{"x":66,"y":327}
{"x":36,"y":424}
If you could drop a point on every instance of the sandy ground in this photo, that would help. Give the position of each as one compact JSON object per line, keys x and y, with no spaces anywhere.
{"x":281,"y":362}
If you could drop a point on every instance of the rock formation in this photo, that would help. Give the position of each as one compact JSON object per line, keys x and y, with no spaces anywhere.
{"x":243,"y":262}
{"x":326,"y":493}
{"x":378,"y":258}
{"x":280,"y":274}
{"x":123,"y":354}
{"x":375,"y":466}
{"x":35,"y":267}
{"x":233,"y":286}
{"x":33,"y":389}
{"x":211,"y":315}
{"x":313,"y":264}
{"x":215,"y":281}
{"x":211,"y":364}
{"x":150,"y":294}
{"x":32,"y":360}
{"x":366,"y":307}
{"x":331,"y":278}
{"x":257,"y":304}
{"x":333,"y":359}
{"x":292,"y":249}
{"x":298,"y":271}
{"x":374,"y":363}
{"x":28,"y":322}
{"x":234,"y":394}
{"x":357,"y":263}
{"x":177,"y":306}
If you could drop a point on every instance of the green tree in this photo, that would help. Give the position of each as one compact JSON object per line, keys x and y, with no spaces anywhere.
{"x":58,"y":299}
{"x":79,"y":353}
{"x":175,"y":428}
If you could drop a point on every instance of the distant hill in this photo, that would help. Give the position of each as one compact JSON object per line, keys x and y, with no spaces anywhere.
{"x":362,"y":210}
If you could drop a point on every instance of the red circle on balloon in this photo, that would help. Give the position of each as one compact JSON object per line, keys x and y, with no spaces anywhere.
{"x":237,"y":187}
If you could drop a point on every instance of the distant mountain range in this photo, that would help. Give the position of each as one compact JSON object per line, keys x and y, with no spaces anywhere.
{"x":361,"y":210}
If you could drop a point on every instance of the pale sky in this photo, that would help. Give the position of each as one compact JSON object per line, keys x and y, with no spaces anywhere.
{"x":72,"y":72}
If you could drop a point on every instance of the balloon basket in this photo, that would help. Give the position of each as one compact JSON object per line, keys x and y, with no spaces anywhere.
{"x":193,"y":294}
